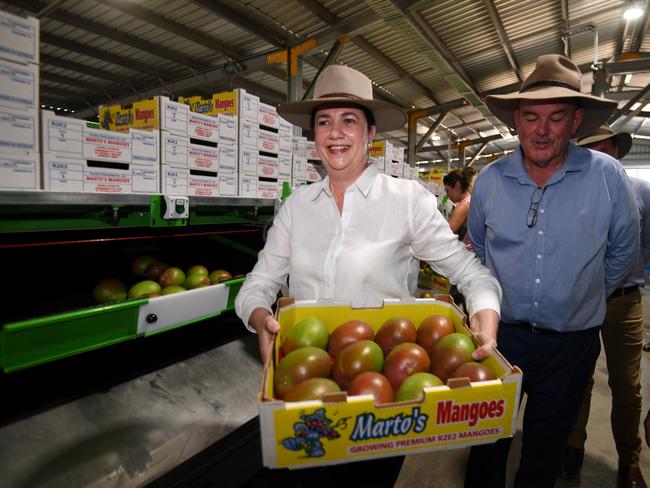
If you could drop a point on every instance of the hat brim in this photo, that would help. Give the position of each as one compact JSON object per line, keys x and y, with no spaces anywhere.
{"x":597,"y":110}
{"x":622,"y":140}
{"x":387,"y":116}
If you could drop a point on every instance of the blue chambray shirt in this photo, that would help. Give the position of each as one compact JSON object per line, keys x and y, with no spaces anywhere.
{"x":557,"y":274}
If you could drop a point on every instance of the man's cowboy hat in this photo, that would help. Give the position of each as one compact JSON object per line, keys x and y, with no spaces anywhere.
{"x":554,"y":77}
{"x":622,"y":140}
{"x":342,"y":84}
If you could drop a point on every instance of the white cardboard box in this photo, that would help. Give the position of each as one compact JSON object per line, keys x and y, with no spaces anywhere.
{"x":204,"y":158}
{"x":227,"y":158}
{"x":62,"y":173}
{"x":284,"y":166}
{"x":269,"y":141}
{"x":18,"y":130}
{"x":202,"y":127}
{"x":285,"y":134}
{"x":228,"y":129}
{"x":255,"y":164}
{"x":268,"y":116}
{"x":248,"y":134}
{"x":228,"y":184}
{"x":106,"y":145}
{"x":203,"y":185}
{"x":254,"y":187}
{"x":19,"y":82}
{"x":19,"y":38}
{"x":299,"y":146}
{"x":145,"y":147}
{"x":299,"y":168}
{"x":73,"y":138}
{"x":174,"y":180}
{"x":20,"y":171}
{"x":312,"y":153}
{"x":174,"y":151}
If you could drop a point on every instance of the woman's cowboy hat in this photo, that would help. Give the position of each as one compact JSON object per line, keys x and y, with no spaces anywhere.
{"x":622,"y":140}
{"x":338,"y":83}
{"x":554,"y":77}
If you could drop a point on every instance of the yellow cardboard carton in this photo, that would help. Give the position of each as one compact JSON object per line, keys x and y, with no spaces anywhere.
{"x":344,"y":429}
{"x":150,"y":114}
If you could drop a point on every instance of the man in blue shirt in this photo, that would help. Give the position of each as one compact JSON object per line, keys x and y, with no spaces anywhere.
{"x":622,"y":335}
{"x":558,"y":227}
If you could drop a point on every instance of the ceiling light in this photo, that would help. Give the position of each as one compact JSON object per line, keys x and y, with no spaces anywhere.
{"x":633,"y":11}
{"x":435,"y":137}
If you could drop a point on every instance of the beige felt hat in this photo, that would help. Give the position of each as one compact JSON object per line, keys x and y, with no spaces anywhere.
{"x":554,"y":77}
{"x":622,"y":140}
{"x":338,"y":83}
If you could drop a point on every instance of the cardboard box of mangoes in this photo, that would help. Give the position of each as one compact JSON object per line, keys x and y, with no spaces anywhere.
{"x":352,"y":394}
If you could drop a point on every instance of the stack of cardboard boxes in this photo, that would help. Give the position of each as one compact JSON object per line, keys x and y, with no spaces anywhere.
{"x":194,"y":149}
{"x":306,"y":166}
{"x":78,"y":156}
{"x":19,"y":99}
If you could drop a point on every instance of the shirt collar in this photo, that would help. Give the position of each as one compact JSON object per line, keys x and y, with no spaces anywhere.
{"x":363,"y":183}
{"x":514,"y":165}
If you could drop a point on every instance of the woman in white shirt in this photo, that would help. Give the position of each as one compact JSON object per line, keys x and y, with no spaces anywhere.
{"x":358,"y":234}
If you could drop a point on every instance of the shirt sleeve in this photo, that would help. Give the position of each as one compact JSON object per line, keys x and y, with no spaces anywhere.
{"x":644,"y":189}
{"x":434,"y":242}
{"x":476,"y":220}
{"x":624,"y":234}
{"x":271,"y":270}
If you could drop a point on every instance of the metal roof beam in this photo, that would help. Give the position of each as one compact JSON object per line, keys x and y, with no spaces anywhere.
{"x":95,"y":53}
{"x":149,"y":16}
{"x":431,"y":130}
{"x":466,"y":143}
{"x":493,"y":13}
{"x":385,"y":61}
{"x":221,"y":9}
{"x":72,"y":82}
{"x":82,"y":68}
{"x":110,"y":33}
{"x":361,"y":42}
{"x":564,"y":7}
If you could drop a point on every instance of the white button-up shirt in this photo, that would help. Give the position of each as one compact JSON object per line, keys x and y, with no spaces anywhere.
{"x":368,"y":251}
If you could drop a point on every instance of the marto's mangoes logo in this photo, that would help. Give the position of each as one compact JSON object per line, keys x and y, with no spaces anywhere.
{"x":452,"y":413}
{"x":367,"y":426}
{"x":145,"y":115}
{"x":125,"y":118}
{"x":202,"y":106}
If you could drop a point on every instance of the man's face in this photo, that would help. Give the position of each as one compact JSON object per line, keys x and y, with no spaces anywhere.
{"x":545,"y":128}
{"x":607,"y":146}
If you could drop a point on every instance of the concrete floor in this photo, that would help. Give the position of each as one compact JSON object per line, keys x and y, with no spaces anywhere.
{"x":446,"y":469}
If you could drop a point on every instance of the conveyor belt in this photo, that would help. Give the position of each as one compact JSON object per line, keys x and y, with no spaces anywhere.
{"x":127,"y":414}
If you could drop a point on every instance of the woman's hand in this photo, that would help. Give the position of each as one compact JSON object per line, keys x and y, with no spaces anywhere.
{"x":485,"y":324}
{"x":266,"y":327}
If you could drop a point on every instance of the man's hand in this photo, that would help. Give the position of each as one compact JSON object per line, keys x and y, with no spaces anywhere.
{"x":266,"y":327}
{"x":485,"y":324}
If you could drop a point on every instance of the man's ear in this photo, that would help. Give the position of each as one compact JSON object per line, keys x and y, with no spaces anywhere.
{"x":577,"y":120}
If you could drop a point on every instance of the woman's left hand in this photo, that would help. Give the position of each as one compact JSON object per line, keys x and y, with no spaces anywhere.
{"x":485,"y":324}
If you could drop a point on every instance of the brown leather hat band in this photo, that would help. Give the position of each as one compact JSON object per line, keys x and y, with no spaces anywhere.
{"x":555,"y":83}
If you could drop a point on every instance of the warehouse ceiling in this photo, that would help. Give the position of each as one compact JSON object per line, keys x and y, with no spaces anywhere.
{"x":436,"y":58}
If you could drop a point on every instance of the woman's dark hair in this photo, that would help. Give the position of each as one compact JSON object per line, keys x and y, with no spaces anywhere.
{"x":464,"y":177}
{"x":370,"y":119}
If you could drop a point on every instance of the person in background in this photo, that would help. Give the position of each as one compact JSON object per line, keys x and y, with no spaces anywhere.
{"x":622,"y":337}
{"x":358,"y":235}
{"x":558,"y":226}
{"x":458,"y":184}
